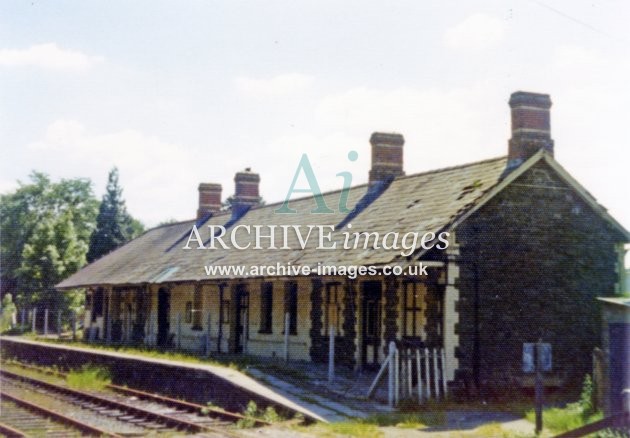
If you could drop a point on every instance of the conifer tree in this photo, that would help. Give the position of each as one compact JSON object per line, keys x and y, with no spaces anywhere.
{"x":114,"y":226}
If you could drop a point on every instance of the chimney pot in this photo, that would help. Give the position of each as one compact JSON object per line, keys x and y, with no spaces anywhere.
{"x":531,"y":128}
{"x":209,"y":199}
{"x":387,"y":156}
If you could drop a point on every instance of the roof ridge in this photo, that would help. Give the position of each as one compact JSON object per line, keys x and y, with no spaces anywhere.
{"x":332,"y":192}
{"x":413,"y":175}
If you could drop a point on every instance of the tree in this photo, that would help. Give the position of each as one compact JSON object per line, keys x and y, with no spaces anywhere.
{"x":114,"y":226}
{"x":27,"y":216}
{"x":53,"y":252}
{"x":229,"y":202}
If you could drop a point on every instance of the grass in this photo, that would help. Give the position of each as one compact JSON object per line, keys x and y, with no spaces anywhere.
{"x":560,"y":420}
{"x":407,"y":420}
{"x":240,"y":363}
{"x":89,"y":377}
{"x":346,"y":428}
{"x":495,"y":430}
{"x":370,"y":426}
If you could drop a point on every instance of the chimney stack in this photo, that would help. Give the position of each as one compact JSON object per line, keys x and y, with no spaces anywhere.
{"x":209,"y":199}
{"x":387,"y":156}
{"x":531,"y":129}
{"x":246,"y":186}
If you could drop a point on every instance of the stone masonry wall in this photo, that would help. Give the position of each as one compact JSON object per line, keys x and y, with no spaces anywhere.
{"x":536,"y":256}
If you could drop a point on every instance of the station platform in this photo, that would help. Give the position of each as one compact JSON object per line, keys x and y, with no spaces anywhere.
{"x":202,"y":381}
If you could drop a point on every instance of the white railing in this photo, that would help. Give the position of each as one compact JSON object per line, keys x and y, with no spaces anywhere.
{"x":413,"y":373}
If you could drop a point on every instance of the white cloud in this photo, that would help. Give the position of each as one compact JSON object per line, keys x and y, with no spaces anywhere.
{"x":280,"y":85}
{"x":48,"y":56}
{"x":152,"y":172}
{"x":441,"y":127}
{"x":7,"y":186}
{"x":476,"y":32}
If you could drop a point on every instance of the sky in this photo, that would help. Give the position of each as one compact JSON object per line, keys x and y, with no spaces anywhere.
{"x":178,"y":93}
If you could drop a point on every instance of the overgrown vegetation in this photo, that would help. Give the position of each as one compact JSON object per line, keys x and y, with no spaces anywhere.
{"x":252,"y":413}
{"x":89,"y":377}
{"x":8,"y":313}
{"x":46,"y":227}
{"x":236,"y":362}
{"x":573,"y":415}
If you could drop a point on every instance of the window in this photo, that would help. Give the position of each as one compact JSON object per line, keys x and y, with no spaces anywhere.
{"x":266,"y":308}
{"x":333,"y":307}
{"x":413,"y":296}
{"x":188,"y":313}
{"x":291,"y":305}
{"x":197,"y":307}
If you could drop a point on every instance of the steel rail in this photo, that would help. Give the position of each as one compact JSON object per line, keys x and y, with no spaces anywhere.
{"x":83,"y":427}
{"x":11,"y":432}
{"x":167,"y":420}
{"x":181,"y":404}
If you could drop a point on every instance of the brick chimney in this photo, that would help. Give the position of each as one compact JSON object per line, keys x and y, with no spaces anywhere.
{"x":387,"y":156}
{"x":246,"y":189}
{"x":531,"y":129}
{"x":209,"y":199}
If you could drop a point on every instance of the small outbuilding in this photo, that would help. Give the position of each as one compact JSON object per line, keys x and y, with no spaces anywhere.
{"x":616,"y":344}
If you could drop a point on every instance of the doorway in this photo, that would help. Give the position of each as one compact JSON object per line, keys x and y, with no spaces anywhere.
{"x":163,"y":311}
{"x":371,"y":323}
{"x":242,"y":318}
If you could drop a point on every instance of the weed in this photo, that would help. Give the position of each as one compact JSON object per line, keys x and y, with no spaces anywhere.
{"x":253,"y":413}
{"x":89,"y":377}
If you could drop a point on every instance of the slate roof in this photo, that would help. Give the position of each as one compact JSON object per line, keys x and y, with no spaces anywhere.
{"x":424,"y":202}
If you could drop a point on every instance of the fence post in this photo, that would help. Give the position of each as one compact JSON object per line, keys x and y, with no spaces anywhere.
{"x":444,"y":386}
{"x":59,"y":323}
{"x":246,"y":331}
{"x":436,"y":376}
{"x":149,"y":339}
{"x":287,"y":320}
{"x":397,"y":376}
{"x":179,"y":330}
{"x":402,"y":373}
{"x":74,"y":325}
{"x":409,"y":374}
{"x":208,"y":334}
{"x":129,"y":328}
{"x":419,"y":372}
{"x":23,"y":318}
{"x":108,"y":327}
{"x":427,"y":372}
{"x":45,"y":322}
{"x":34,"y":321}
{"x":331,"y":355}
{"x":390,"y":376}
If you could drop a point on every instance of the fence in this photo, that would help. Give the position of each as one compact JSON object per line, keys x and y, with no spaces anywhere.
{"x":45,"y":321}
{"x":413,"y":373}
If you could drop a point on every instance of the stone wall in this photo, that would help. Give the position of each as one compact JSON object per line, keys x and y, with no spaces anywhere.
{"x":532,"y":262}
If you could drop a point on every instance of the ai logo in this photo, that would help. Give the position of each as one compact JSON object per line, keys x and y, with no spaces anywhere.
{"x":305,"y":166}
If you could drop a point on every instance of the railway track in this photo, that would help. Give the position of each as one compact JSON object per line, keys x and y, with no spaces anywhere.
{"x":148,"y":411}
{"x":182,"y":405}
{"x":21,"y":418}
